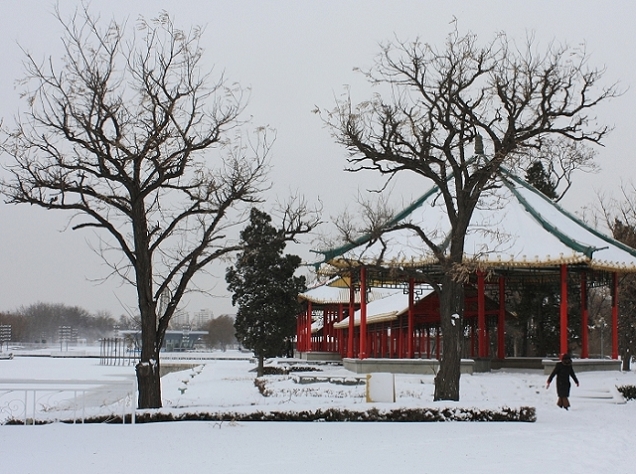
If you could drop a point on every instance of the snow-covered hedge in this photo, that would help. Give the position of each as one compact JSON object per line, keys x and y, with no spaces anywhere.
{"x":628,"y":391}
{"x":524,"y":414}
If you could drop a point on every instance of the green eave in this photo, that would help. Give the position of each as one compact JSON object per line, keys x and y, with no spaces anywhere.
{"x":587,"y":250}
{"x":330,"y":254}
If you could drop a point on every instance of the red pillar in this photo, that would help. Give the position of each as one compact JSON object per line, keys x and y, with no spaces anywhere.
{"x":501,"y":321}
{"x":409,"y":341}
{"x":333,"y":343}
{"x":363,"y":313}
{"x":564,"y":309}
{"x":308,"y":327}
{"x":350,"y":334}
{"x":481,"y":315}
{"x":438,"y":338}
{"x":325,"y":329}
{"x":299,"y":331}
{"x":614,"y":315}
{"x":584,"y":318}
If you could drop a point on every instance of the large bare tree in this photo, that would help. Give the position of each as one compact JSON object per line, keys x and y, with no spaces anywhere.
{"x":130,"y":133}
{"x":440,"y":104}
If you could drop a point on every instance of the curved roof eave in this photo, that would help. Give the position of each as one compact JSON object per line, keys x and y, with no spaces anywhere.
{"x":578,"y":242}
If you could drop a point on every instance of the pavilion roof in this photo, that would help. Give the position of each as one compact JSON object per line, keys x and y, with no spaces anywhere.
{"x":513,"y":225}
{"x":385,"y":309}
{"x":336,"y":291}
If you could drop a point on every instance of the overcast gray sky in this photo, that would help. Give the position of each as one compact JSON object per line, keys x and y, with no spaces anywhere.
{"x":294,"y":54}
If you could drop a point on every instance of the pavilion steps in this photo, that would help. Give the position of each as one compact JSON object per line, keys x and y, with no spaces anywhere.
{"x":602,"y":395}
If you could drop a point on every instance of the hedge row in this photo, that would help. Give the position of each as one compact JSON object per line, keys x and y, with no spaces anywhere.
{"x":628,"y":391}
{"x":523,"y":414}
{"x":286,"y":370}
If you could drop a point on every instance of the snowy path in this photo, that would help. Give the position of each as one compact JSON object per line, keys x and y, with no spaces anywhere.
{"x":595,"y":436}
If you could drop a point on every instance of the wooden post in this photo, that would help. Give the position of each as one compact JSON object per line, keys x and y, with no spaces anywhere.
{"x":409,"y":341}
{"x":325,"y":329}
{"x":614,"y":316}
{"x":564,"y":309}
{"x":501,"y":321}
{"x":363,"y":313}
{"x":584,"y":318}
{"x":352,"y":299}
{"x":299,"y":331}
{"x":438,"y":338}
{"x":482,"y":350}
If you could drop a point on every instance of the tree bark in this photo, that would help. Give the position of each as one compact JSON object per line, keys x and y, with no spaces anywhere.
{"x":149,"y":383}
{"x":451,"y":312}
{"x":626,"y":360}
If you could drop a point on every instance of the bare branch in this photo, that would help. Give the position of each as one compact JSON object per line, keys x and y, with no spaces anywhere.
{"x":131,"y":135}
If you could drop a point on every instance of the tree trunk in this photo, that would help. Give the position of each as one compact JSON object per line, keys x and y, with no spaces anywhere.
{"x":149,"y":383}
{"x":148,"y":373}
{"x":148,"y":368}
{"x":261,"y":365}
{"x":452,"y":321}
{"x":626,"y":357}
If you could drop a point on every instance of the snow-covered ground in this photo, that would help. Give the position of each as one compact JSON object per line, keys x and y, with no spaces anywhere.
{"x":595,"y":436}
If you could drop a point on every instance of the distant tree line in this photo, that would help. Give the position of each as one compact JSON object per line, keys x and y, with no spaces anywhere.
{"x":40,"y":322}
{"x":221,"y":332}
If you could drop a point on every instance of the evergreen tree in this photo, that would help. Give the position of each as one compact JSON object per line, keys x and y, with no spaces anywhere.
{"x":538,"y":177}
{"x":625,"y":231}
{"x":264,"y":289}
{"x":537,"y":302}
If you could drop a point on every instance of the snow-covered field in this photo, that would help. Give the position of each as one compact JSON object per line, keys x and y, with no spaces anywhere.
{"x":595,"y":436}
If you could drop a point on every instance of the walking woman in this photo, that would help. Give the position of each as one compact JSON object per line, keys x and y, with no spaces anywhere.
{"x":563,"y":371}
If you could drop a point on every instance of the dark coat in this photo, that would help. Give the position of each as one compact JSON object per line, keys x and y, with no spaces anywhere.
{"x":563,"y":372}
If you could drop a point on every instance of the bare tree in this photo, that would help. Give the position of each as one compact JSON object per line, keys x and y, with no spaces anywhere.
{"x":120,"y":132}
{"x":560,"y":157}
{"x":441,"y":103}
{"x":221,"y":332}
{"x":620,"y":217}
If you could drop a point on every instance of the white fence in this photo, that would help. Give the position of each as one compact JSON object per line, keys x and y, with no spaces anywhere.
{"x":32,"y":401}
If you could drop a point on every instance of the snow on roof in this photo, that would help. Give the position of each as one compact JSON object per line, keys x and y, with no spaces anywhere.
{"x":332,"y":292}
{"x":326,"y":294}
{"x":512,"y":225}
{"x":385,"y":309}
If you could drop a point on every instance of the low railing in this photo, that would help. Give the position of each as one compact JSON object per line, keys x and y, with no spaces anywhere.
{"x":43,"y":401}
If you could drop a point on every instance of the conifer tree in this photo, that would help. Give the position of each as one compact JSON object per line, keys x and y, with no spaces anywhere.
{"x":537,"y":302}
{"x":265,"y":289}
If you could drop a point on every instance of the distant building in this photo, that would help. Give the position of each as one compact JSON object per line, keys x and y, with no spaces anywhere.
{"x":201,"y":318}
{"x":174,"y":341}
{"x":180,"y":320}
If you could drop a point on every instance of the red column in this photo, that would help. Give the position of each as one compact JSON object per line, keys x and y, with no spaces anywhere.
{"x":363,"y":313}
{"x":308,"y":327}
{"x":438,"y":338}
{"x":409,"y":341}
{"x":299,"y":336}
{"x":325,"y":329}
{"x":564,"y":309}
{"x":584,"y":318}
{"x":614,"y":315}
{"x":501,"y":321}
{"x":352,"y":299}
{"x":338,"y":333}
{"x":481,"y":315}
